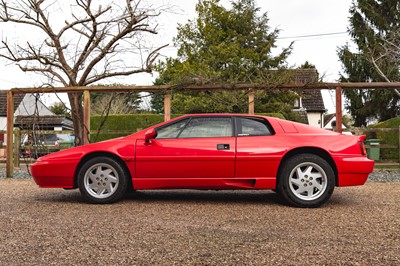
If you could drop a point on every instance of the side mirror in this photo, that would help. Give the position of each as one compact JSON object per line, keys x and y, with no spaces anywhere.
{"x":149,"y":135}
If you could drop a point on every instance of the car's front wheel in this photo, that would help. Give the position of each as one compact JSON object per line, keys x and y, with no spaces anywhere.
{"x":306,"y":180}
{"x":102,"y":180}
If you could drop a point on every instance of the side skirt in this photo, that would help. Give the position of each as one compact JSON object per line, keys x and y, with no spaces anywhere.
{"x":204,"y":183}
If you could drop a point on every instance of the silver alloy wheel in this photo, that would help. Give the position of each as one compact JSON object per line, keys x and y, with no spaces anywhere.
{"x":308,"y":181}
{"x":101,"y":180}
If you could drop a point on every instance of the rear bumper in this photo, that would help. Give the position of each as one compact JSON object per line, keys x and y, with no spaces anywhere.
{"x":53,"y":174}
{"x":354,"y":171}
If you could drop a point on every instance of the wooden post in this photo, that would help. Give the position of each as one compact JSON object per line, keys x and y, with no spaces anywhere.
{"x":86,"y":116}
{"x":17,"y":144}
{"x":167,"y":106}
{"x":10,"y":134}
{"x":339,"y":109}
{"x":251,"y":101}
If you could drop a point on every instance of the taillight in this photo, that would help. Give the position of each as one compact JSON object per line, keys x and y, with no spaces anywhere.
{"x":362,"y":148}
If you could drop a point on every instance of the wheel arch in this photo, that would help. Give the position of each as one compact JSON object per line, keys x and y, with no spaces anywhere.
{"x":310,"y":150}
{"x":92,"y":155}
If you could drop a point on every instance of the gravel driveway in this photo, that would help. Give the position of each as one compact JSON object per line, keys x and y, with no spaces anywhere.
{"x":359,"y":226}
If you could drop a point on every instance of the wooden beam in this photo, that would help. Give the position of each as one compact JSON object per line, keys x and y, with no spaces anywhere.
{"x":10,"y":134}
{"x":251,"y":101}
{"x":212,"y":87}
{"x":86,"y":117}
{"x":93,"y":88}
{"x":167,"y":106}
{"x":368,"y":85}
{"x":339,"y":109}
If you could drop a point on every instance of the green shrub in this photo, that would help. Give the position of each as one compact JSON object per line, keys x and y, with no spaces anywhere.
{"x":388,"y":137}
{"x":277,"y":115}
{"x":131,"y":123}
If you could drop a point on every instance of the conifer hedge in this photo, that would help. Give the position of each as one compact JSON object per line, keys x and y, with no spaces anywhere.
{"x":122,"y":125}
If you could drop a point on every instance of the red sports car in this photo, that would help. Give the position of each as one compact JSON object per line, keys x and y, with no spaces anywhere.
{"x":213,"y":151}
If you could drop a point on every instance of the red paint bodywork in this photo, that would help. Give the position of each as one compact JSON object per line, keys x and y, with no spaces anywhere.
{"x":252,"y":162}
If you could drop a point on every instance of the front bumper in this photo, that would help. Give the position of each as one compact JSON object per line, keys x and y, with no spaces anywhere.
{"x":51,"y":174}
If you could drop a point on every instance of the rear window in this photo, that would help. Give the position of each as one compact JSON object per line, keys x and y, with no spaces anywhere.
{"x":253,"y":127}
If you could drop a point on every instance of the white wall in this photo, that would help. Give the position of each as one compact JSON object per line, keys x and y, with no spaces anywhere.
{"x":3,"y":126}
{"x":3,"y":123}
{"x":315,"y":119}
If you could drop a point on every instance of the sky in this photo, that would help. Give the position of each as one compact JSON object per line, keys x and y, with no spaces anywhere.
{"x":317,"y":28}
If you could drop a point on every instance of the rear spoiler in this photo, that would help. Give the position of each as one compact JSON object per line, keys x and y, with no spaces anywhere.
{"x":361,"y":138}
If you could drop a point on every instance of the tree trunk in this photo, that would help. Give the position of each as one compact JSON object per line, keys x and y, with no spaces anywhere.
{"x":76,"y":99}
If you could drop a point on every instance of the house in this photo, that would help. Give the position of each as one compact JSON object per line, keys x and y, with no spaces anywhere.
{"x":3,"y":111}
{"x":53,"y":123}
{"x":26,"y":108}
{"x":44,"y":122}
{"x":330,"y":122}
{"x":310,"y":104}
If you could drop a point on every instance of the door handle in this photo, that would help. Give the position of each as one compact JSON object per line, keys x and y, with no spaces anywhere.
{"x":223,"y":147}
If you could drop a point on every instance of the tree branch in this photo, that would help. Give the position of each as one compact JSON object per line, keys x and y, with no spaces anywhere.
{"x":44,"y":70}
{"x":380,"y":72}
{"x":91,"y":46}
{"x":131,"y":26}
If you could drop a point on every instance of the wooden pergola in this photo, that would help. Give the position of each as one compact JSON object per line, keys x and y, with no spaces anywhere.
{"x":167,"y":90}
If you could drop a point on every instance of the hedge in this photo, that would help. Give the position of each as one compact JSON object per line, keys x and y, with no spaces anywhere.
{"x":133,"y":123}
{"x":277,"y":115}
{"x":125,"y":122}
{"x":388,"y":137}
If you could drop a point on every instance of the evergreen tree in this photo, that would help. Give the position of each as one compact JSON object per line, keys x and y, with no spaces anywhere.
{"x":59,"y":108}
{"x":225,"y":46}
{"x":372,"y":24}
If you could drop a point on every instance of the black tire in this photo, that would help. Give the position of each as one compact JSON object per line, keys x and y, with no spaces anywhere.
{"x":306,"y":181}
{"x":102,"y":180}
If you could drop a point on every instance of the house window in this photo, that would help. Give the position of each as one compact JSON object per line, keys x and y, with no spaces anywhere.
{"x":297,"y":103}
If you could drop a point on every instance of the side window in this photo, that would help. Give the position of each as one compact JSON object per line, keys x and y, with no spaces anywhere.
{"x":203,"y":127}
{"x":172,"y":130}
{"x":253,"y":127}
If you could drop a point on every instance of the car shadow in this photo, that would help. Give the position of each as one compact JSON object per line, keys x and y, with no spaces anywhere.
{"x":59,"y":196}
{"x":178,"y":196}
{"x":206,"y":196}
{"x":265,"y":197}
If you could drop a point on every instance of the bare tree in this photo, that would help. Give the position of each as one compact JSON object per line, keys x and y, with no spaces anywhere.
{"x":112,"y":103}
{"x":91,"y":45}
{"x":386,"y":61}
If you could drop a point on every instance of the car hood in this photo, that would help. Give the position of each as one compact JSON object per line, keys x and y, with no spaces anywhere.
{"x":122,"y":147}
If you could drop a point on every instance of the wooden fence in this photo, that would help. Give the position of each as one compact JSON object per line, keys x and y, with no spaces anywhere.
{"x":389,"y":152}
{"x":388,"y":139}
{"x":28,"y":150}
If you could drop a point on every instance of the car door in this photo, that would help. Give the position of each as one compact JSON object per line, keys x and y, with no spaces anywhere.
{"x":258,"y":150}
{"x":195,"y":147}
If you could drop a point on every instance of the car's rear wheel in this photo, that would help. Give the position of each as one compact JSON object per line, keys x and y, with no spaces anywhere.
{"x":306,"y":180}
{"x":102,"y":180}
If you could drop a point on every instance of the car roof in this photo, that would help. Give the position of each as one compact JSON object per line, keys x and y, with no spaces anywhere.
{"x":223,"y":114}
